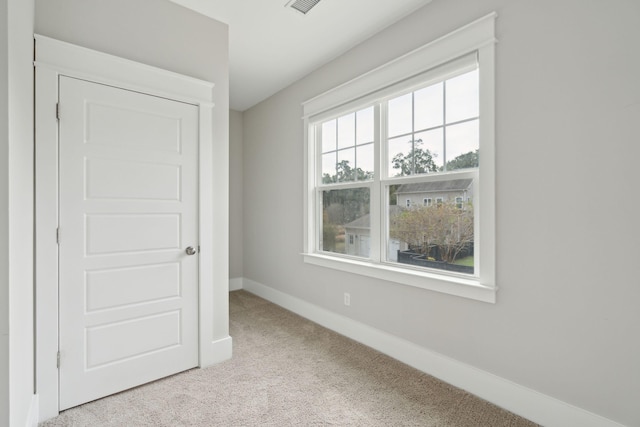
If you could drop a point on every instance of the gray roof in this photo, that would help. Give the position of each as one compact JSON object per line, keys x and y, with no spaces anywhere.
{"x":364,"y":222}
{"x":435,"y":186}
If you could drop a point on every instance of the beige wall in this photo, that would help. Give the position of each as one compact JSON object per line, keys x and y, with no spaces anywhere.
{"x":568,"y":102}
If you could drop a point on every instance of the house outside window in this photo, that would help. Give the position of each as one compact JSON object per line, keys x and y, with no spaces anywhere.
{"x":418,"y":139}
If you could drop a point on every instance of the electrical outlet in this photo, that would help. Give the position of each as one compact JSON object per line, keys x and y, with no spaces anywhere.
{"x":347,"y":299}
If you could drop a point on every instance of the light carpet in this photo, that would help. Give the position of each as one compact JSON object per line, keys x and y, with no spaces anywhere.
{"x":288,"y":371}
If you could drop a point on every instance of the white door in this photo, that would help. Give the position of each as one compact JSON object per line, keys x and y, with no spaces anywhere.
{"x":128,"y":213}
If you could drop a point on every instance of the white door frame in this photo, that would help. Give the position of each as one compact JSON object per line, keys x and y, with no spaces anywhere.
{"x":53,"y":59}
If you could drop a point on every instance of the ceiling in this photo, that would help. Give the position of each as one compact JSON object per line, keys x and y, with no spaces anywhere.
{"x":272,"y":46}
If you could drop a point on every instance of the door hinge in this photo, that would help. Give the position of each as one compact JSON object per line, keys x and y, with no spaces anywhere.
{"x":58,"y":111}
{"x":58,"y":360}
{"x":57,"y":236}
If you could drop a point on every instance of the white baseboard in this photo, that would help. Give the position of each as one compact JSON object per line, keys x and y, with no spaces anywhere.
{"x":235,"y":284}
{"x":32,"y":418}
{"x":528,"y":403}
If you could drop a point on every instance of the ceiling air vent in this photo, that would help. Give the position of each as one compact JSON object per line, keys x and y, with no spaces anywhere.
{"x":302,"y":6}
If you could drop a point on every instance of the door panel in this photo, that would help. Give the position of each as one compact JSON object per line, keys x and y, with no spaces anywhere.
{"x":118,"y":126}
{"x":117,"y":287}
{"x":135,"y":337}
{"x":128,"y":210}
{"x":123,"y":179}
{"x":110,"y":234}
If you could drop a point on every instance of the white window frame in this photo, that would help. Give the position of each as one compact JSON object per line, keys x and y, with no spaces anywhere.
{"x":408,"y":70}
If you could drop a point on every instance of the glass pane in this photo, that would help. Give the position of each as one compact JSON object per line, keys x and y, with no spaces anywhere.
{"x":329,"y":168}
{"x":418,"y":155}
{"x":365,"y":161}
{"x":346,"y":165}
{"x":398,"y":150}
{"x":329,"y":136}
{"x":437,"y":235}
{"x":347,"y":131}
{"x":463,"y":141}
{"x":345,"y":222}
{"x":399,"y":115}
{"x":428,"y":107}
{"x":429,"y":148}
{"x":365,"y":126}
{"x":462,"y":97}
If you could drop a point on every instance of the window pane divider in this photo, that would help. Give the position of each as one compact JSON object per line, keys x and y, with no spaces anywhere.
{"x":345,"y":185}
{"x":434,"y":176}
{"x":375,"y":215}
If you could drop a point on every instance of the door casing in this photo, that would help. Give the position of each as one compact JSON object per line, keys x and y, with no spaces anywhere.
{"x":53,"y":59}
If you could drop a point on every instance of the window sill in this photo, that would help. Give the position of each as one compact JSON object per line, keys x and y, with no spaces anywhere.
{"x":452,"y":285}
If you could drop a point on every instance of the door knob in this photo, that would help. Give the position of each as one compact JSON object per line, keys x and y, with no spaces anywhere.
{"x":190,"y":250}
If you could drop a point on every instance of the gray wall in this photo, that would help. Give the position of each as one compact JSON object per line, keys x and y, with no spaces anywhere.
{"x":4,"y":214}
{"x":568,"y":103}
{"x":158,"y":33}
{"x":16,"y":207}
{"x":235,"y":195}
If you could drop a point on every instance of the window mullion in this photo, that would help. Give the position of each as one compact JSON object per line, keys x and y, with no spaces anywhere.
{"x":319,"y":221}
{"x":413,"y":133}
{"x":381,"y":135}
{"x":444,"y":125}
{"x":317,"y":201}
{"x":317,"y":144}
{"x":335,"y":169}
{"x":355,"y":146}
{"x":378,"y":216}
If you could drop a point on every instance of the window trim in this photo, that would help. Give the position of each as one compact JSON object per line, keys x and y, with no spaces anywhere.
{"x":407,"y":70}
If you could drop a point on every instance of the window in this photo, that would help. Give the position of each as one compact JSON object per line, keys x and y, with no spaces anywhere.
{"x":373,"y":152}
{"x":347,"y":148}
